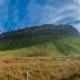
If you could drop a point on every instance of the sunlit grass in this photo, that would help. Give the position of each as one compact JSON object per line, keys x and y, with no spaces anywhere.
{"x":51,"y":70}
{"x":33,"y":46}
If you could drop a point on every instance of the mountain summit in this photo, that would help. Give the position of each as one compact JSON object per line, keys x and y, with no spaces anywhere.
{"x":47,"y":29}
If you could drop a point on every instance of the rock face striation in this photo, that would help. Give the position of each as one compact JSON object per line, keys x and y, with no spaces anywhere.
{"x":40,"y":30}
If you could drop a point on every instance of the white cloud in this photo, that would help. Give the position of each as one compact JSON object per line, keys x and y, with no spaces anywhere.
{"x":77,"y":12}
{"x":78,"y":1}
{"x":49,"y":14}
{"x":59,"y":14}
{"x":77,"y":26}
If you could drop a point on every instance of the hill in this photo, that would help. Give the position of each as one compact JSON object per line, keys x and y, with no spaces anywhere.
{"x":46,"y":45}
{"x":45,"y":40}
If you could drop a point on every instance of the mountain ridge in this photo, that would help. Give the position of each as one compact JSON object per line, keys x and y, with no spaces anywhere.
{"x":40,"y":30}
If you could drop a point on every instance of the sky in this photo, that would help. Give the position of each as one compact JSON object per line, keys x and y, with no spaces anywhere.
{"x":18,"y":14}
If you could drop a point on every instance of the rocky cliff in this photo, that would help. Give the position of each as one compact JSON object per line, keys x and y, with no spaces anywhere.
{"x":47,"y":29}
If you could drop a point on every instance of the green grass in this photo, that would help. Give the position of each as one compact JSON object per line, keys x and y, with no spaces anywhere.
{"x":41,"y":46}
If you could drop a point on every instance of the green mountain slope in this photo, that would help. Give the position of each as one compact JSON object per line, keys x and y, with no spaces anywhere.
{"x":48,"y":45}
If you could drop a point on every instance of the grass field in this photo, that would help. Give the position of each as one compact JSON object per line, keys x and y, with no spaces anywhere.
{"x":43,"y":57}
{"x":39,"y":69}
{"x":41,"y":46}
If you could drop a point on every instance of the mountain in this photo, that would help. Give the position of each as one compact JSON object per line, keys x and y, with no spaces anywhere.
{"x":45,"y":40}
{"x":47,"y":29}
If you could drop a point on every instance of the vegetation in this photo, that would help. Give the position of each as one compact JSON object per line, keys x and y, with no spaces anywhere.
{"x":40,"y":69}
{"x":46,"y":45}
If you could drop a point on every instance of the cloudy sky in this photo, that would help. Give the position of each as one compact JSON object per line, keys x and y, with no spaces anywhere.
{"x":15,"y":14}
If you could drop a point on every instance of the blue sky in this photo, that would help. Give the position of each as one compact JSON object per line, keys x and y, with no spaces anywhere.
{"x":16,"y":14}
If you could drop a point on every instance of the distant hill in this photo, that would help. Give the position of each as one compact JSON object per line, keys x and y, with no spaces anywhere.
{"x":64,"y":41}
{"x":40,"y":30}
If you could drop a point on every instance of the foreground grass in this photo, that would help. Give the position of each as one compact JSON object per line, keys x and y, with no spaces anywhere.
{"x":48,"y":45}
{"x":41,"y":69}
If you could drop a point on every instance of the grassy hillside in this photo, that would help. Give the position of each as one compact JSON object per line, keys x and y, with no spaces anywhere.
{"x":41,"y":46}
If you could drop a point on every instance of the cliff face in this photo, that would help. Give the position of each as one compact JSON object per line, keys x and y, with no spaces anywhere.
{"x":40,"y":30}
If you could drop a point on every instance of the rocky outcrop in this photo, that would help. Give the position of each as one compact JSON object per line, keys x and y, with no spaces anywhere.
{"x":40,"y":30}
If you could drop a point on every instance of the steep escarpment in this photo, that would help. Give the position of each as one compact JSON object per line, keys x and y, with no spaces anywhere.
{"x":47,"y":29}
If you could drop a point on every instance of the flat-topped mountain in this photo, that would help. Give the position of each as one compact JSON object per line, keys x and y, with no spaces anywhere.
{"x":40,"y":30}
{"x":46,"y":40}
